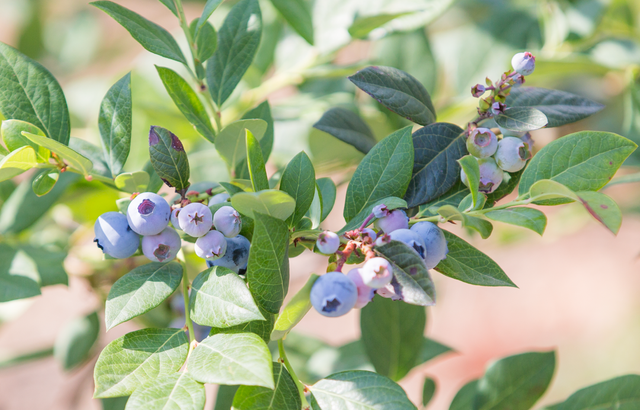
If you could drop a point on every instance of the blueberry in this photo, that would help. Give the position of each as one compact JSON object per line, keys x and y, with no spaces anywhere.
{"x":482,"y":143}
{"x":368,"y":235}
{"x":211,"y":246}
{"x":148,"y":214}
{"x":411,"y":239}
{"x":380,"y":211}
{"x":328,"y":242}
{"x":523,"y":63}
{"x":162,"y":247}
{"x":334,"y":294}
{"x":236,"y":256}
{"x":219,"y":198}
{"x":114,"y":236}
{"x":376,"y":273}
{"x":195,"y":219}
{"x":434,"y":241}
{"x":397,"y":219}
{"x":365,"y":293}
{"x":477,"y":90}
{"x":227,"y":220}
{"x":490,"y":175}
{"x":175,"y":220}
{"x":513,"y":154}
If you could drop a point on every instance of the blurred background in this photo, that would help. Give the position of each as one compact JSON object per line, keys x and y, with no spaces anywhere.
{"x":579,"y":287}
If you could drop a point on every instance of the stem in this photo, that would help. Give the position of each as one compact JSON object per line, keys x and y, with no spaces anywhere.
{"x":436,"y":218}
{"x":299,"y":385}
{"x":367,"y":221}
{"x":187,"y":32}
{"x":185,"y":294}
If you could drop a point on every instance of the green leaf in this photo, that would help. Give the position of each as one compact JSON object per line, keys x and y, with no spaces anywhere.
{"x":295,"y":310}
{"x":263,"y":112}
{"x":505,"y":188}
{"x":435,"y":169}
{"x":583,"y":161}
{"x":220,"y":298}
{"x":468,"y":264}
{"x":224,"y":397}
{"x":255,"y":162}
{"x":138,"y":357}
{"x":19,"y":277}
{"x":74,"y":342}
{"x":360,"y":390}
{"x":13,"y":138}
{"x":428,"y":390}
{"x":231,"y":141}
{"x":411,"y":278}
{"x":168,"y":158}
{"x":172,"y":391}
{"x":525,"y":217}
{"x":450,"y":213}
{"x":114,"y":403}
{"x":141,"y":290}
{"x":238,"y":41}
{"x":71,"y":157}
{"x":560,"y":107}
{"x":392,"y":334}
{"x":469,"y":165}
{"x":385,"y":171}
{"x":315,"y":210}
{"x":171,"y":6}
{"x":467,"y":203}
{"x":603,"y":209}
{"x":271,"y":202}
{"x":32,"y":94}
{"x":44,"y":181}
{"x":155,"y":183}
{"x":299,"y":181}
{"x":515,"y":382}
{"x":328,"y":193}
{"x":115,"y":122}
{"x":398,"y":91}
{"x":150,"y":35}
{"x":298,"y":15}
{"x":480,"y":225}
{"x":241,"y":358}
{"x":49,"y":265}
{"x":262,"y":327}
{"x":391,"y":203}
{"x":620,"y":393}
{"x":17,"y":162}
{"x":544,"y":190}
{"x":284,"y":396}
{"x":465,"y":397}
{"x":132,"y":181}
{"x":452,"y":197}
{"x":94,"y":154}
{"x":430,"y":350}
{"x":268,"y":267}
{"x":521,"y":119}
{"x":362,"y":26}
{"x":187,"y":102}
{"x":206,"y":39}
{"x":209,"y":8}
{"x":347,"y":126}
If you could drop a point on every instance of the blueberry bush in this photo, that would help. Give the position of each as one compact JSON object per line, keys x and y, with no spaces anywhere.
{"x":229,"y":325}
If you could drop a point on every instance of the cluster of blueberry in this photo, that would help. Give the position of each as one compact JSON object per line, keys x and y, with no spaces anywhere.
{"x":334,"y":293}
{"x":513,"y":150}
{"x":148,"y":215}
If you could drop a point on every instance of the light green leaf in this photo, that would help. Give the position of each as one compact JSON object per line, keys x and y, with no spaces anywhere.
{"x":620,"y":393}
{"x":219,"y":298}
{"x":168,"y":158}
{"x":263,"y":112}
{"x":347,"y":126}
{"x":224,"y":397}
{"x":72,"y":158}
{"x":546,"y":191}
{"x":284,"y":396}
{"x":362,"y":26}
{"x":174,"y":391}
{"x":315,"y":210}
{"x":187,"y":102}
{"x":298,"y":15}
{"x":392,"y":334}
{"x":269,"y":202}
{"x":49,"y":264}
{"x":138,"y":357}
{"x":115,"y":122}
{"x":132,"y":181}
{"x":391,"y":203}
{"x":231,"y":141}
{"x":206,"y":39}
{"x":209,"y":8}
{"x":17,"y":162}
{"x":471,"y":169}
{"x":295,"y":310}
{"x":450,"y":213}
{"x":150,"y":35}
{"x":255,"y":162}
{"x":385,"y":171}
{"x":240,"y":358}
{"x":74,"y":342}
{"x":299,"y":181}
{"x":44,"y":182}
{"x":329,"y":192}
{"x":13,"y":138}
{"x":526,"y":217}
{"x":141,"y":290}
{"x":521,"y":119}
{"x":262,"y":327}
{"x":32,"y":94}
{"x":19,"y":277}
{"x":603,"y":209}
{"x":480,"y":225}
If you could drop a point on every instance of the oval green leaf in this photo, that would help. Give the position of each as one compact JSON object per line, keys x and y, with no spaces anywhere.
{"x":74,"y":342}
{"x":168,"y":158}
{"x":299,"y":181}
{"x":72,"y":158}
{"x":271,"y":202}
{"x":347,"y":126}
{"x":115,"y":122}
{"x":521,"y":119}
{"x":173,"y":391}
{"x":17,"y":162}
{"x":284,"y":396}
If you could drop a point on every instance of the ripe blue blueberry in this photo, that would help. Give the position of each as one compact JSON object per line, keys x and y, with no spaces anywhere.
{"x":333,"y":294}
{"x":174,"y":219}
{"x":114,"y":236}
{"x":434,"y":241}
{"x":490,"y":175}
{"x":523,"y":63}
{"x":376,"y":273}
{"x":195,"y":219}
{"x":397,"y":219}
{"x":512,"y":154}
{"x":162,"y":247}
{"x":211,"y":246}
{"x":328,"y":242}
{"x":148,"y":214}
{"x":411,"y":239}
{"x":236,"y":256}
{"x":365,"y":293}
{"x":227,"y":220}
{"x":482,"y":143}
{"x":219,"y":198}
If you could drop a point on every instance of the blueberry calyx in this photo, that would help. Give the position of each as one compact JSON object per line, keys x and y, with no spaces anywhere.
{"x":146,"y":207}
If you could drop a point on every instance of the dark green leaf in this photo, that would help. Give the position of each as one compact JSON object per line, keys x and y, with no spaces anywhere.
{"x":526,"y":217}
{"x":255,"y":163}
{"x":19,"y":277}
{"x":150,"y":35}
{"x":30,"y":93}
{"x":115,"y":122}
{"x":398,"y":91}
{"x":452,"y":197}
{"x":603,"y":209}
{"x":480,"y":225}
{"x":170,"y":5}
{"x":177,"y":391}
{"x":385,"y":171}
{"x":206,"y":39}
{"x":168,"y":158}
{"x":114,"y":403}
{"x":238,"y":41}
{"x":298,"y":15}
{"x":521,"y":119}
{"x":329,"y":192}
{"x":299,"y":181}
{"x":620,"y":393}
{"x":347,"y":126}
{"x":49,"y":264}
{"x":75,"y":340}
{"x":465,"y":397}
{"x":224,"y":397}
{"x":93,"y":153}
{"x":209,"y":8}
{"x":263,"y":112}
{"x":295,"y":310}
{"x":284,"y":396}
{"x":13,"y":138}
{"x":428,"y":390}
{"x":44,"y":181}
{"x":468,"y":264}
{"x":471,"y":169}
